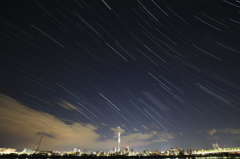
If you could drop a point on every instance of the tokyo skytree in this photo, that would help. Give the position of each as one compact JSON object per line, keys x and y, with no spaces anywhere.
{"x":119,"y":139}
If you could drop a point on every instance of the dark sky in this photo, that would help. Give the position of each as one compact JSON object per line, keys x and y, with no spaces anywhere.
{"x":167,"y":72}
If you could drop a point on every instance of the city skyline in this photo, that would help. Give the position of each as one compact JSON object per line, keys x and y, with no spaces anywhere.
{"x":160,"y":74}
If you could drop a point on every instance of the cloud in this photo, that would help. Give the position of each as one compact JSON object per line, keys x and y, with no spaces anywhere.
{"x":162,"y":136}
{"x":22,"y":124}
{"x":22,"y":127}
{"x":104,"y":124}
{"x":154,"y":125}
{"x":116,"y":130}
{"x":213,"y":137}
{"x":145,"y":127}
{"x":212,"y":131}
{"x":138,"y":136}
{"x":165,"y":135}
{"x":224,"y":131}
{"x":160,"y":140}
{"x":45,"y":134}
{"x":136,"y":139}
{"x":154,"y":132}
{"x":135,"y":129}
{"x":230,"y":131}
{"x":68,"y":106}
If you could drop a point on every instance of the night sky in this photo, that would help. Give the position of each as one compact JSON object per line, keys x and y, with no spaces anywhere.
{"x":167,"y":72}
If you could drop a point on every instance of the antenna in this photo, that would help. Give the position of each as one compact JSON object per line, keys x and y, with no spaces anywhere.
{"x":215,"y":146}
{"x":39,"y":144}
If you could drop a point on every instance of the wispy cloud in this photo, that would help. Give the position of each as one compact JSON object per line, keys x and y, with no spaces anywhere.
{"x":68,"y":106}
{"x":104,"y":124}
{"x":145,"y":127}
{"x":213,"y":137}
{"x":212,"y":131}
{"x":234,"y":133}
{"x":116,"y":130}
{"x":135,"y":129}
{"x":224,"y":131}
{"x":230,"y":131}
{"x":21,"y":123}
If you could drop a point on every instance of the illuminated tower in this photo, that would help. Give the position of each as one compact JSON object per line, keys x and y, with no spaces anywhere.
{"x":119,"y":139}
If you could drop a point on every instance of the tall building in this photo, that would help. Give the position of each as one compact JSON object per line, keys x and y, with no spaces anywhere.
{"x":119,"y":139}
{"x":75,"y":149}
{"x":127,"y":149}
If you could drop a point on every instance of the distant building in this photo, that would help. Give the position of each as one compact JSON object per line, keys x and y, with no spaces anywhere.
{"x":146,"y":152}
{"x":2,"y":150}
{"x":28,"y":151}
{"x":7,"y":150}
{"x":75,"y":150}
{"x":132,"y":153}
{"x":127,"y":149}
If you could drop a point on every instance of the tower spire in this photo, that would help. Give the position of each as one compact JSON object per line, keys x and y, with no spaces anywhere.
{"x":119,"y":139}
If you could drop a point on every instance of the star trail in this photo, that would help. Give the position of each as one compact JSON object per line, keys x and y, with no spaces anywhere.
{"x":166,"y":72}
